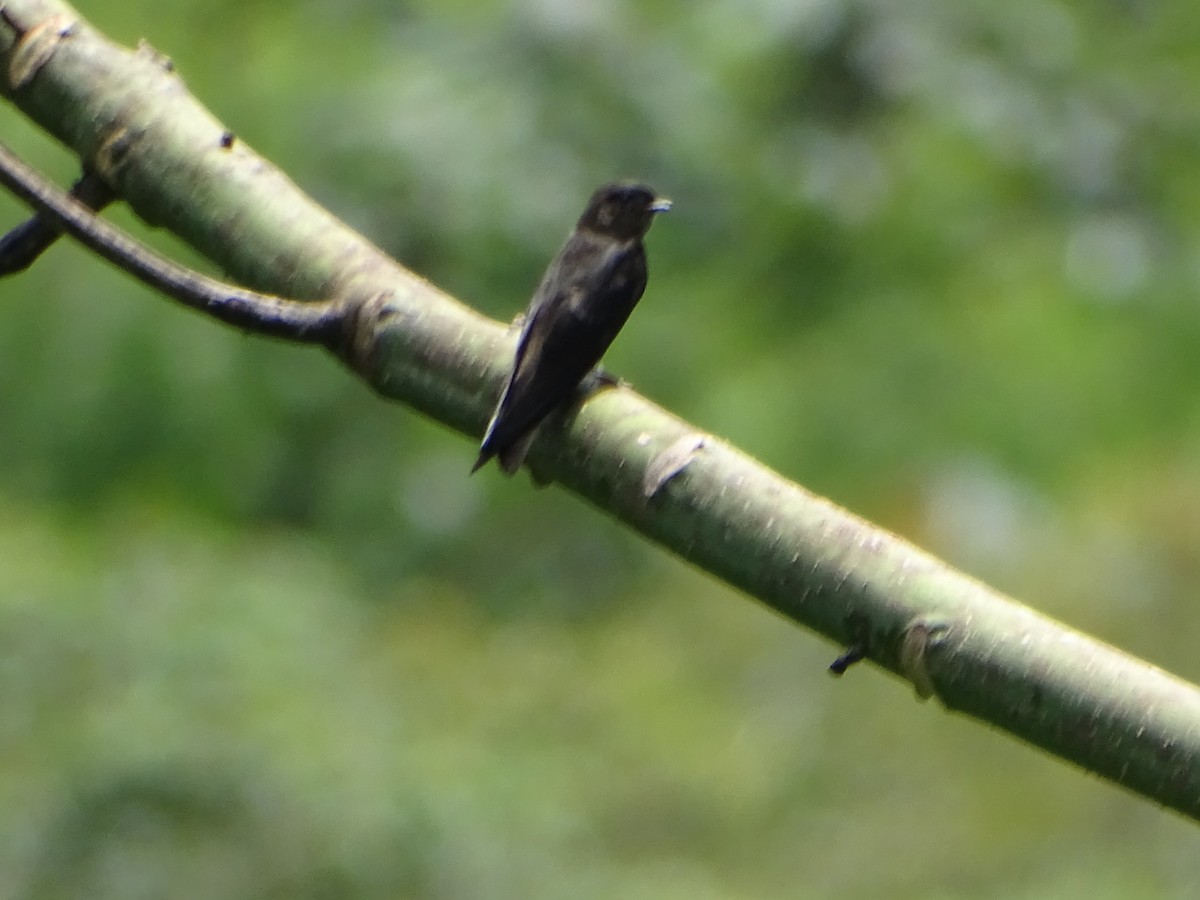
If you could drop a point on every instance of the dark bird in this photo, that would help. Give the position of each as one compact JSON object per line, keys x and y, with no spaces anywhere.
{"x":584,"y":298}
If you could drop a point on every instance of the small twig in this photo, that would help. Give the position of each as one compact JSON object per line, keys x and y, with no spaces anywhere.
{"x":311,"y":322}
{"x":854,"y":654}
{"x":21,"y":247}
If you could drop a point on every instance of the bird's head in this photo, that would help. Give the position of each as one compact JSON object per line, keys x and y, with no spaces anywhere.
{"x":622,"y":210}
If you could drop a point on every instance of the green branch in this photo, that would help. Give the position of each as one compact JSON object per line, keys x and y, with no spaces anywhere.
{"x":129,"y":119}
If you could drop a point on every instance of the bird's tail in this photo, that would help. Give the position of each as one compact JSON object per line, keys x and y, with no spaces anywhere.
{"x":486,"y":448}
{"x":484,"y":457}
{"x":510,"y":458}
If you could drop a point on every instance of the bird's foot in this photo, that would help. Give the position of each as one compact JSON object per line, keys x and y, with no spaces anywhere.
{"x":598,"y":379}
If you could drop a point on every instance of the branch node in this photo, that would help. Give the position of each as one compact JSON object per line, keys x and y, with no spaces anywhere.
{"x":355,"y":339}
{"x":35,"y":46}
{"x":157,"y":57}
{"x":670,"y":462}
{"x":916,"y":642}
{"x":112,"y":153}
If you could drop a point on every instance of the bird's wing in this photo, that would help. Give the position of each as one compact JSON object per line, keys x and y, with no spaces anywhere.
{"x":576,"y":312}
{"x":583,"y":300}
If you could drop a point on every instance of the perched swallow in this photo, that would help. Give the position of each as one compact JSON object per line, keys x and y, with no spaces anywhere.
{"x":584,"y":298}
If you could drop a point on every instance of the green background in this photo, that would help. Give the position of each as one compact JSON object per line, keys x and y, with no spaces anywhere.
{"x":260,"y":636}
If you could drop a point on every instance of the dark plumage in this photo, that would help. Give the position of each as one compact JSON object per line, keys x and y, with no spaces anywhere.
{"x":584,"y":298}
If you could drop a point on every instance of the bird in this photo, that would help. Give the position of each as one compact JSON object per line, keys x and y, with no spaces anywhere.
{"x":583,"y":300}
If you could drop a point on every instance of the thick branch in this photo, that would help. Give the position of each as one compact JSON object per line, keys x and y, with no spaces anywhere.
{"x":975,"y":650}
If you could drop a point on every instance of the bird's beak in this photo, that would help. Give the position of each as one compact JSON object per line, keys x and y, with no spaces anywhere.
{"x":660,"y":204}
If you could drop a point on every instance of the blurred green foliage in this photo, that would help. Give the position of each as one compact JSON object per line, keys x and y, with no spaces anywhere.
{"x":263,"y":638}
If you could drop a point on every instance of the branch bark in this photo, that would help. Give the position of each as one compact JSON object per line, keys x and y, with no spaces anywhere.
{"x":128,"y":117}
